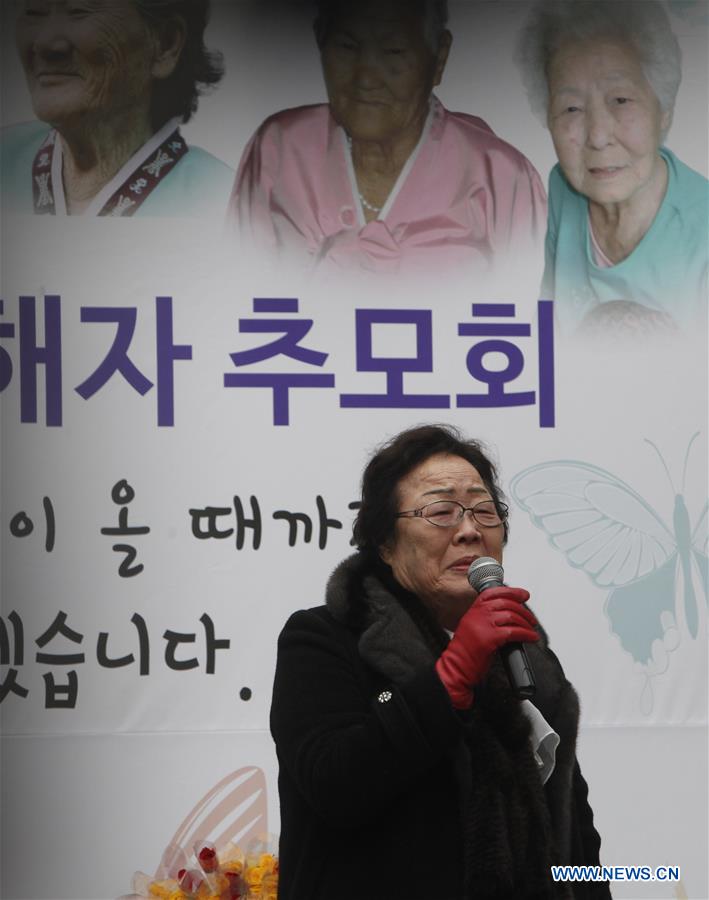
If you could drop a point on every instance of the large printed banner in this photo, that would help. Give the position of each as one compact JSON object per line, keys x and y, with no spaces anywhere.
{"x":189,"y":399}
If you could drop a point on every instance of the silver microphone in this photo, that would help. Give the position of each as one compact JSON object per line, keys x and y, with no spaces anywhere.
{"x":487,"y":572}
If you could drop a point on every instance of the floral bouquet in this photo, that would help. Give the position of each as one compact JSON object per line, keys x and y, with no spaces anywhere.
{"x":229,"y":874}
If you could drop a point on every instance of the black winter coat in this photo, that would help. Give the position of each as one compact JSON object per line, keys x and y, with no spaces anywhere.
{"x":387,"y":792}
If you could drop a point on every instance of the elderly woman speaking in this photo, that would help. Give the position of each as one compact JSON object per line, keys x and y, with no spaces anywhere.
{"x":627,"y":219}
{"x":383,"y":178}
{"x":409,"y":768}
{"x":110,"y":82}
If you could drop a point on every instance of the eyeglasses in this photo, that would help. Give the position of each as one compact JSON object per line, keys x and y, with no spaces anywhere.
{"x":447,"y":513}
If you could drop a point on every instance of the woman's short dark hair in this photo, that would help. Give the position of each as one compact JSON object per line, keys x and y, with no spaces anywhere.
{"x":376,"y":519}
{"x":197,"y":68}
{"x":433,"y":12}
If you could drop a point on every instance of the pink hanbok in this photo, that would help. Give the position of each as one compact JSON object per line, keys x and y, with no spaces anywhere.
{"x":464,"y":200}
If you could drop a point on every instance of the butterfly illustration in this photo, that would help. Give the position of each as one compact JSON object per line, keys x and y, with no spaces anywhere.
{"x":604,"y":527}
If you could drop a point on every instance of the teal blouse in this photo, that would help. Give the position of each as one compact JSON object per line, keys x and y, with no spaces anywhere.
{"x":667,"y":271}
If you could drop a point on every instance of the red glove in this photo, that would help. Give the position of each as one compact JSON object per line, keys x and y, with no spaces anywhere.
{"x":497,"y":617}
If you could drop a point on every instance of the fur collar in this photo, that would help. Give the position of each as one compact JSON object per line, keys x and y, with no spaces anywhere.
{"x":367,"y":599}
{"x":390,"y":642}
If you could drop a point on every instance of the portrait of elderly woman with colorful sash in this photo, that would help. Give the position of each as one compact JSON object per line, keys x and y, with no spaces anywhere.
{"x":110,"y":82}
{"x":383,"y":178}
{"x":627,"y":239}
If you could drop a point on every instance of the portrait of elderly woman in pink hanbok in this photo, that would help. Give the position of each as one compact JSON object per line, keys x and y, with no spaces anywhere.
{"x":627,"y":245}
{"x":110,"y":83}
{"x":383,"y":178}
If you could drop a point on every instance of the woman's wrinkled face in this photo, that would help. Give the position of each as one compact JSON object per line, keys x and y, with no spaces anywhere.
{"x":605,"y":120}
{"x":379,"y":70}
{"x":433,"y":562}
{"x":83,"y":57}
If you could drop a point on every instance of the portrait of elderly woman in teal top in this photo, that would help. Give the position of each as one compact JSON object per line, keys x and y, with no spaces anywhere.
{"x":626,"y":243}
{"x":110,"y":83}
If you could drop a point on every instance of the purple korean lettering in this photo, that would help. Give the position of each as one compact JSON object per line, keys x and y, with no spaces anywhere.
{"x":7,"y":330}
{"x":117,"y":359}
{"x":291,"y":331}
{"x":500,"y":338}
{"x":394,"y":365}
{"x":167,"y":353}
{"x":32,"y":355}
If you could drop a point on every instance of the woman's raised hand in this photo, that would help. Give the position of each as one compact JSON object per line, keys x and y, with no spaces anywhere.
{"x":497,"y":617}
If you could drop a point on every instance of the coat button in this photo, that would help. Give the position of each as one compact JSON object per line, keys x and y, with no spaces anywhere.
{"x":384,"y":697}
{"x":348,"y":217}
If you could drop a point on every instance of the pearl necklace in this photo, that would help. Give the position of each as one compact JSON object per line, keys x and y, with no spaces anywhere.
{"x":363,"y":200}
{"x":369,"y":206}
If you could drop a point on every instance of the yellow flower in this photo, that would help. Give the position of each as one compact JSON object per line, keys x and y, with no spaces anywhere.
{"x":254,"y":876}
{"x":269,"y":888}
{"x":236,"y":866}
{"x":164,"y":889}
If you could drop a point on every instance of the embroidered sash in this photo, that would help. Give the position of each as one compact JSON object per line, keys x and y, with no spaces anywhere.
{"x":129,"y":188}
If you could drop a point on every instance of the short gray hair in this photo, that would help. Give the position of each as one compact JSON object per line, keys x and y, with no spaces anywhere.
{"x":642,"y":24}
{"x":434,"y":13}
